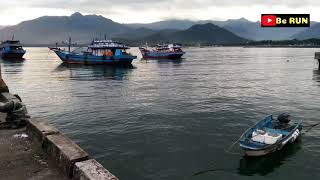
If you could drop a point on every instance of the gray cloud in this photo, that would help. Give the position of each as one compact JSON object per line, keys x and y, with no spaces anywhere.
{"x":105,"y":3}
{"x":142,"y":4}
{"x":108,"y":7}
{"x":149,"y":10}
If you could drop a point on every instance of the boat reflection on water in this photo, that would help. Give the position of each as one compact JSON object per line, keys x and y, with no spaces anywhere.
{"x":316,"y":75}
{"x":12,"y":60}
{"x":85,"y":72}
{"x":12,"y":66}
{"x":249,"y":166}
{"x":164,"y":61}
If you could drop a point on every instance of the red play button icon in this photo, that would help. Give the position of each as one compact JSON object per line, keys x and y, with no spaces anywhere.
{"x":268,"y":20}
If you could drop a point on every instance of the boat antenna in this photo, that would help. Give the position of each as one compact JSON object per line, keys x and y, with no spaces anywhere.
{"x":69,"y":44}
{"x":12,"y":37}
{"x":105,"y":36}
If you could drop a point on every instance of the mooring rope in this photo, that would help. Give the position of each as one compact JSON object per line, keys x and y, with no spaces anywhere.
{"x":212,"y":170}
{"x":310,"y":127}
{"x":228,"y":150}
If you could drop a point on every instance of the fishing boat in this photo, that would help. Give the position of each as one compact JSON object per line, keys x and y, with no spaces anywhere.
{"x":106,"y":52}
{"x":11,"y":49}
{"x":270,"y":135}
{"x":167,"y":51}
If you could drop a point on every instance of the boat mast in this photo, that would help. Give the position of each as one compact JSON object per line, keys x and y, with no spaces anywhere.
{"x":69,"y":45}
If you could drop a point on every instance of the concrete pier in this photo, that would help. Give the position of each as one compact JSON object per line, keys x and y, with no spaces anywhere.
{"x":71,"y":160}
{"x":41,"y":151}
{"x":23,"y":159}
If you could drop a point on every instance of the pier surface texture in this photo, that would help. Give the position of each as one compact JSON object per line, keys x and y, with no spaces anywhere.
{"x":21,"y":159}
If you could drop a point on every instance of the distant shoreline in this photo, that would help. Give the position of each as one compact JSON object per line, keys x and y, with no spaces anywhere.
{"x":244,"y":46}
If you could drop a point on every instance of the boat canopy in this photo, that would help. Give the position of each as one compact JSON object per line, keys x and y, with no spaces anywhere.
{"x":168,"y":46}
{"x":175,"y":45}
{"x":11,"y":43}
{"x":107,"y":44}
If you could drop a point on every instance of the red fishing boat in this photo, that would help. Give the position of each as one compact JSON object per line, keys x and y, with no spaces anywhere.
{"x":169,"y":51}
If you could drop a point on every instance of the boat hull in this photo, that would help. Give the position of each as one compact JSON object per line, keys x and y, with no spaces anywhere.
{"x":13,"y":55}
{"x":73,"y":58}
{"x":264,"y":152}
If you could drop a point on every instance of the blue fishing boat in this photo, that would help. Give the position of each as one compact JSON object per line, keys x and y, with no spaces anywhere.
{"x":106,"y":52}
{"x":11,"y":49}
{"x":270,"y":135}
{"x":168,"y":51}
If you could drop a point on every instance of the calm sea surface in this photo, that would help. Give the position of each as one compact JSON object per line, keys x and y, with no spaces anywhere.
{"x":173,"y":119}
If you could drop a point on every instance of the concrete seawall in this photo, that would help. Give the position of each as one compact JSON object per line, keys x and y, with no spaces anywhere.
{"x":71,"y":160}
{"x":69,"y":157}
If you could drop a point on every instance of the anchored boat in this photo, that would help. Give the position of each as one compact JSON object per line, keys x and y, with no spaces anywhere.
{"x":11,"y":49}
{"x":169,"y":51}
{"x":98,"y":52}
{"x":270,"y":135}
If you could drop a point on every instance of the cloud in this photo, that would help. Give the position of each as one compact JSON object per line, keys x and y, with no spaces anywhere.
{"x":154,"y":10}
{"x":99,"y":4}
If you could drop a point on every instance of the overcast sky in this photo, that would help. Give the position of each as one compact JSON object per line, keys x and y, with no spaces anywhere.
{"x":145,"y":11}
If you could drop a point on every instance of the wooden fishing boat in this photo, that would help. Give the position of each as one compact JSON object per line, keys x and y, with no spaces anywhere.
{"x":167,"y":51}
{"x":11,"y":49}
{"x":105,"y":52}
{"x":270,"y":135}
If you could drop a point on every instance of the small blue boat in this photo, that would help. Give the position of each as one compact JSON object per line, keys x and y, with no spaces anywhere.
{"x":270,"y":135}
{"x":11,"y":49}
{"x":167,"y":51}
{"x":105,"y":52}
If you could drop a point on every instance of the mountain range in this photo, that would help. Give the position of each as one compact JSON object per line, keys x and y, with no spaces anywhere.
{"x":241,"y":27}
{"x":51,"y":29}
{"x":204,"y":34}
{"x":82,"y":29}
{"x":312,"y":32}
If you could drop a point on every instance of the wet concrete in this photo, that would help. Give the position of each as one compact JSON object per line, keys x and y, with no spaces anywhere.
{"x":20,"y":159}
